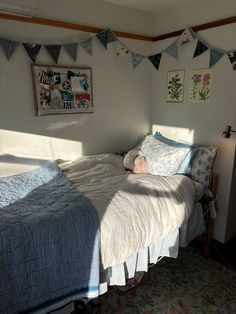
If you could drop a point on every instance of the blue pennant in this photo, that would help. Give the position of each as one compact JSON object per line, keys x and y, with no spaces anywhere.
{"x":102,"y":37}
{"x":215,"y":56}
{"x":32,"y":50}
{"x":172,"y":50}
{"x":54,"y":51}
{"x":110,"y":36}
{"x":72,"y":50}
{"x":136,"y":58}
{"x":200,"y":48}
{"x":232,"y":59}
{"x":8,"y":46}
{"x":155,"y":60}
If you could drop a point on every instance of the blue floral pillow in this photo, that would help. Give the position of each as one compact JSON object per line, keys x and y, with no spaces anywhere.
{"x":202,"y":165}
{"x":163,"y":159}
{"x":186,"y":164}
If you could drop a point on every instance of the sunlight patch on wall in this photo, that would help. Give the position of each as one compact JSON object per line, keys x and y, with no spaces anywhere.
{"x":22,"y":151}
{"x":175,"y":133}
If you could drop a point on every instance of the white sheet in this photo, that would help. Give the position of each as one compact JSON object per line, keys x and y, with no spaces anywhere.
{"x":135,"y":210}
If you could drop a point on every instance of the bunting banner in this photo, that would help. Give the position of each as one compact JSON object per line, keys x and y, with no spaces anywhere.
{"x":110,"y":36}
{"x":232,"y":59}
{"x":87,"y":44}
{"x":8,"y":46}
{"x":102,"y":37}
{"x":122,"y":50}
{"x":136,"y":59}
{"x":215,"y":56}
{"x":107,"y":36}
{"x":155,"y":60}
{"x":187,"y":36}
{"x":72,"y":50}
{"x":172,"y":50}
{"x":200,"y":48}
{"x":32,"y":50}
{"x":54,"y":51}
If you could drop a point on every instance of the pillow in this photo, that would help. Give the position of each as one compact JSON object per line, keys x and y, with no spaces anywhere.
{"x":185,"y":166}
{"x":129,"y":158}
{"x":15,"y":187}
{"x":162,"y":159}
{"x":202,"y":165}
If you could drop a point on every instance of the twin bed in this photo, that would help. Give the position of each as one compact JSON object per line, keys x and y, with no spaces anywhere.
{"x":69,"y":230}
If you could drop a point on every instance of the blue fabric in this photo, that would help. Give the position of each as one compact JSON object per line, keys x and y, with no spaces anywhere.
{"x":162,"y":159}
{"x":49,"y":241}
{"x":186,"y":164}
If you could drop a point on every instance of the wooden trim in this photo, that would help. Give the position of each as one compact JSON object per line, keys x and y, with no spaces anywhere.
{"x":196,"y":28}
{"x":68,"y":25}
{"x":92,"y":29}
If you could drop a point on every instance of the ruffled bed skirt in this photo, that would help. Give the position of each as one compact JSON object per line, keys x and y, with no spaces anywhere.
{"x":166,"y":247}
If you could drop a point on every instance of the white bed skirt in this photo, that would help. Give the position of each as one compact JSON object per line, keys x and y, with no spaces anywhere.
{"x":166,"y":247}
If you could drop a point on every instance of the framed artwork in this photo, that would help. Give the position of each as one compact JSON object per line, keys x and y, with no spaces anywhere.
{"x":62,"y":90}
{"x":175,"y":86}
{"x":200,"y":85}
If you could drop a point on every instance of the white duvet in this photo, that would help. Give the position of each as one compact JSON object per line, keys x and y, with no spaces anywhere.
{"x":135,"y":210}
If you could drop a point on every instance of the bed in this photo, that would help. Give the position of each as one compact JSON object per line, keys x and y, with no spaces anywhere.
{"x":68,"y":231}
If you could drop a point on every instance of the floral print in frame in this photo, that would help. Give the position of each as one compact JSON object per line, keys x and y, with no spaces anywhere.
{"x":175,"y":86}
{"x":200,"y":86}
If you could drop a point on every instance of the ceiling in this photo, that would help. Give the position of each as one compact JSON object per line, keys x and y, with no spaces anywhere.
{"x":151,"y":6}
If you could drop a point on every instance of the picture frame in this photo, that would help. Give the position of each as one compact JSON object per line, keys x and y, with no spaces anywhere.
{"x":200,"y":86}
{"x":175,"y":86}
{"x":62,"y":89}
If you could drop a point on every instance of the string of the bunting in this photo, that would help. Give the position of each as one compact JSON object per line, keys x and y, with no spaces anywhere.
{"x":107,"y":36}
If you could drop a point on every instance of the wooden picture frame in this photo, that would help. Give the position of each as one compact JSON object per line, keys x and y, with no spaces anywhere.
{"x":62,"y":89}
{"x":200,"y":86}
{"x":175,"y":86}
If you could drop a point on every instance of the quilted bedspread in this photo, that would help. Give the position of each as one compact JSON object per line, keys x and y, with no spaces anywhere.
{"x":49,"y":242}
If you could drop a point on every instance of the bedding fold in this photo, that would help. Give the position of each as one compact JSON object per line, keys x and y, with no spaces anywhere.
{"x":135,"y":210}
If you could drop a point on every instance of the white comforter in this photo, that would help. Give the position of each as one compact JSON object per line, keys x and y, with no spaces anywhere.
{"x":135,"y":210}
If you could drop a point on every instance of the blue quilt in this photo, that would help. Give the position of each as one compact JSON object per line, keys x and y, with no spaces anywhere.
{"x":49,"y":242}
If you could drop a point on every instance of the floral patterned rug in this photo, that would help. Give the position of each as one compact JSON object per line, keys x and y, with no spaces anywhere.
{"x":188,"y":284}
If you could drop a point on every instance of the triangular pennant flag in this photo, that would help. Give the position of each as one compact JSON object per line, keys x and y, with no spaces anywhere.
{"x":87,"y":44}
{"x":215,"y":56}
{"x":111,"y":36}
{"x":200,"y":48}
{"x":136,"y":58}
{"x":155,"y":60}
{"x":172,"y":50}
{"x":102,"y":37}
{"x":54,"y":51}
{"x":72,"y":50}
{"x":232,"y":58}
{"x":8,"y":46}
{"x":32,"y":50}
{"x":122,"y":50}
{"x":187,"y":36}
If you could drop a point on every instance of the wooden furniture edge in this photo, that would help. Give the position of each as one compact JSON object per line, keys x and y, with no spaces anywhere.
{"x":207,"y":237}
{"x":93,"y":29}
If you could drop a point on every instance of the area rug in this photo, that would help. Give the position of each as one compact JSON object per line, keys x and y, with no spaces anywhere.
{"x":188,"y":284}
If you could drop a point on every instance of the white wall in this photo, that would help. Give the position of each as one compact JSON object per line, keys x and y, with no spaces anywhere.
{"x":198,"y":122}
{"x":121,"y":96}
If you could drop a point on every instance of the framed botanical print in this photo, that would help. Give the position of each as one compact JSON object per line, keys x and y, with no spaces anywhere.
{"x":175,"y":86}
{"x":62,"y":90}
{"x":200,"y":85}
